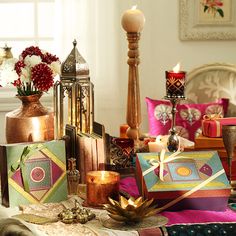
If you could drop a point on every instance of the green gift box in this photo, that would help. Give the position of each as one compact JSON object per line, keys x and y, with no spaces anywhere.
{"x":33,"y":173}
{"x":187,"y":180}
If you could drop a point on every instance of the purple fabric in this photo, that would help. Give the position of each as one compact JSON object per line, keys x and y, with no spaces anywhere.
{"x":183,"y":217}
{"x":195,"y":216}
{"x":204,"y":203}
{"x":129,"y":185}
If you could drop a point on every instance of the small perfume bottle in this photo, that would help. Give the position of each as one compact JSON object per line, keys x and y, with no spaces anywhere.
{"x":73,"y":177}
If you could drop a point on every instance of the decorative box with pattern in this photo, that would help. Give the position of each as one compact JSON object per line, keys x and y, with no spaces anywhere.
{"x":187,"y":180}
{"x":33,"y":173}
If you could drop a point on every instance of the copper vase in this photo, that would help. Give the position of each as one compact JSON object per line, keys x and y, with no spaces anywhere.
{"x":31,"y":122}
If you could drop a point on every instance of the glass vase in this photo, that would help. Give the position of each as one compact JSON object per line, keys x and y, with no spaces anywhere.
{"x":31,"y":122}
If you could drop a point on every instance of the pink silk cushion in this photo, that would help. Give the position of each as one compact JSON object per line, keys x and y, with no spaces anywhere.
{"x":188,"y":116}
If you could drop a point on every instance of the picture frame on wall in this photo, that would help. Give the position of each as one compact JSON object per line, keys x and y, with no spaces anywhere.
{"x":207,"y":20}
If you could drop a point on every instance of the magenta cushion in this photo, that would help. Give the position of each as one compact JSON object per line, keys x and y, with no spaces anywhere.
{"x":188,"y":116}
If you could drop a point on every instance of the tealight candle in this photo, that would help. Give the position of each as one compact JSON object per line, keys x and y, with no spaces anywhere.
{"x":101,"y":185}
{"x":156,"y":146}
{"x":175,"y":83}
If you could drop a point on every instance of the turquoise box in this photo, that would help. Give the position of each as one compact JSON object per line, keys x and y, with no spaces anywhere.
{"x":189,"y":180}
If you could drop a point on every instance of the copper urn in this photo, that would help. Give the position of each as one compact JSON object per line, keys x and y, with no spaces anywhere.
{"x":31,"y":122}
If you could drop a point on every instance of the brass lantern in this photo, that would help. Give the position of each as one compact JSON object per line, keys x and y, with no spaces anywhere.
{"x":5,"y":53}
{"x":74,"y":95}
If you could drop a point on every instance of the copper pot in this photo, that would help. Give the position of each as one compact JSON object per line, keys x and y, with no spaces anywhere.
{"x":31,"y":122}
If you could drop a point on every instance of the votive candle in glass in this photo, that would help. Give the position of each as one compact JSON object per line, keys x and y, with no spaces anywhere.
{"x":101,"y":185}
{"x":123,"y":129}
{"x":156,"y":146}
{"x":175,"y":83}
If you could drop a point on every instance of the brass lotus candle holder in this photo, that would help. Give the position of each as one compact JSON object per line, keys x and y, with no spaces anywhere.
{"x":130,"y":210}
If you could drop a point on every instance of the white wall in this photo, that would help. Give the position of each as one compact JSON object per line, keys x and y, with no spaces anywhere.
{"x":160,"y":50}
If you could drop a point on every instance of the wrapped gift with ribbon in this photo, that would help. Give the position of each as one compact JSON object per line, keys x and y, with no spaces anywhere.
{"x":183,"y":180}
{"x":212,"y":124}
{"x":33,"y":173}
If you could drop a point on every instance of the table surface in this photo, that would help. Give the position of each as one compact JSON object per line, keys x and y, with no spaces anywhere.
{"x":180,"y":223}
{"x":94,"y":227}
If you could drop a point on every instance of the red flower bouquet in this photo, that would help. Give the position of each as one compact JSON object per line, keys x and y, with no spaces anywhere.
{"x":33,"y":73}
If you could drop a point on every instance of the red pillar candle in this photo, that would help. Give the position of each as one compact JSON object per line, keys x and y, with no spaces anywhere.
{"x":101,"y":185}
{"x":175,"y":83}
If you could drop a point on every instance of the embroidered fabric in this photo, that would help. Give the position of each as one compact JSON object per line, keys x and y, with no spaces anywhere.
{"x":91,"y":228}
{"x":51,"y":210}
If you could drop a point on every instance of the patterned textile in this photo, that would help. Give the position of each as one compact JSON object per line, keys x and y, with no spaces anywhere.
{"x":214,"y":229}
{"x":212,"y":81}
{"x":188,"y":117}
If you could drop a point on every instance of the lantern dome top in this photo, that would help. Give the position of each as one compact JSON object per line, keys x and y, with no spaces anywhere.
{"x":75,"y":65}
{"x":5,"y":53}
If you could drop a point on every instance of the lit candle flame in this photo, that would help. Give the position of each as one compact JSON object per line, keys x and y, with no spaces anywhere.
{"x":103,"y":176}
{"x":158,"y":139}
{"x":134,"y":7}
{"x":176,"y":69}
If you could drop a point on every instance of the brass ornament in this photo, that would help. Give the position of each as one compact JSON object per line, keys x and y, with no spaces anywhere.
{"x":77,"y":214}
{"x":130,"y":210}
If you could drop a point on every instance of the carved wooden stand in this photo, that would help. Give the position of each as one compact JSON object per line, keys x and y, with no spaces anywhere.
{"x":133,"y":115}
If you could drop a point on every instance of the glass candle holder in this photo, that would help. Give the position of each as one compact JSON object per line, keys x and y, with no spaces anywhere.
{"x":123,"y":129}
{"x":175,"y":84}
{"x":101,"y":185}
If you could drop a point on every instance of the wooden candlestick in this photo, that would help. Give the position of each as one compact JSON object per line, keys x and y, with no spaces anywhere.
{"x":133,"y":114}
{"x":133,"y":22}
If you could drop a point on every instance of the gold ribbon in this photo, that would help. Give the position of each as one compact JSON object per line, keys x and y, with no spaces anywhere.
{"x":212,"y":116}
{"x":25,"y":155}
{"x":155,"y":163}
{"x":193,"y":190}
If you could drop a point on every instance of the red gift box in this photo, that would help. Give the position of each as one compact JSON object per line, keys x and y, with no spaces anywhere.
{"x":212,"y":127}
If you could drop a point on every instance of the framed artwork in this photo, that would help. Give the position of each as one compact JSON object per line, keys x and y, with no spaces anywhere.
{"x":207,"y":19}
